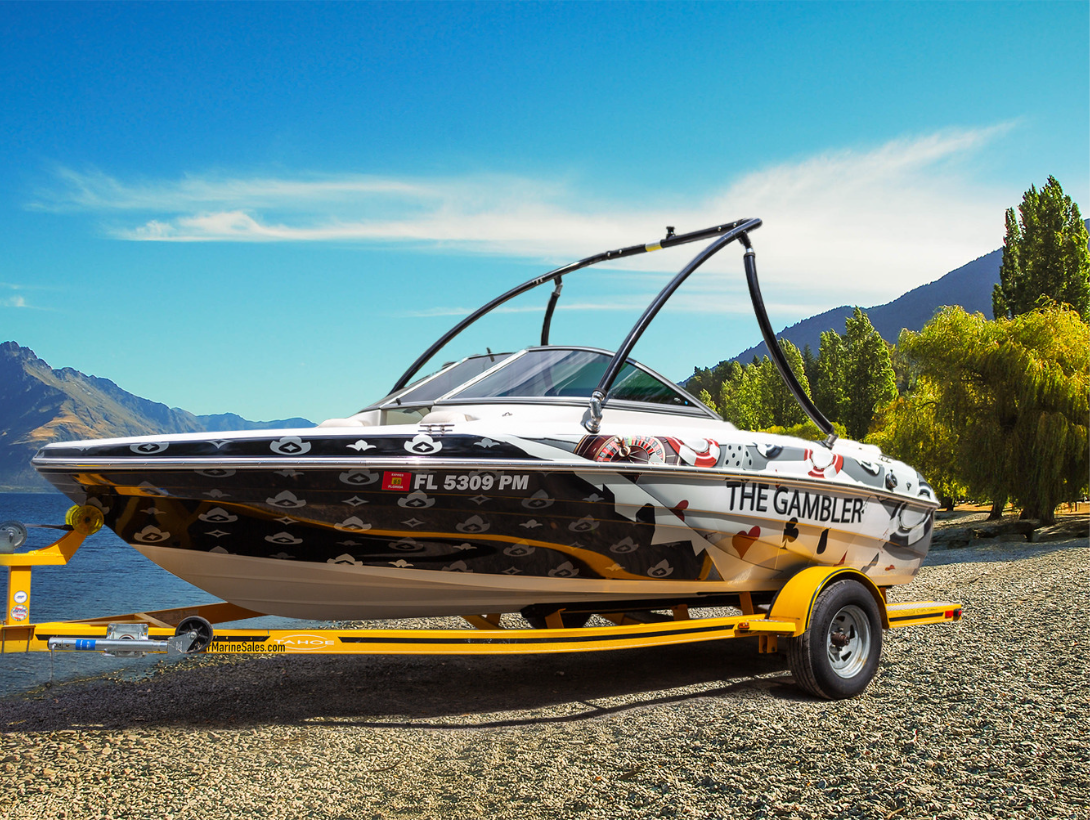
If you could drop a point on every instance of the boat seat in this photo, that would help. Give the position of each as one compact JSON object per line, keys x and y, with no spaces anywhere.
{"x":446,"y":417}
{"x":350,"y":422}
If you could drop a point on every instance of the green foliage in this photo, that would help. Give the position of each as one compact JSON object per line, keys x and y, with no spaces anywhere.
{"x":1011,"y":401}
{"x":711,"y":379}
{"x":848,"y":380}
{"x":905,"y":373}
{"x":785,"y":409}
{"x":706,"y":399}
{"x":810,"y":366}
{"x":807,"y":430}
{"x":854,"y":375}
{"x":908,"y":430}
{"x":1045,"y":256}
{"x":868,"y":380}
{"x":742,"y":398}
{"x":829,"y":394}
{"x":755,"y":397}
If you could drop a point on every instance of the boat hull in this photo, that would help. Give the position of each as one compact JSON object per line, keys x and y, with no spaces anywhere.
{"x":373,"y":538}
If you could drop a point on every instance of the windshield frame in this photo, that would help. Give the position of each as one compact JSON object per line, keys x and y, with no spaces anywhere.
{"x":393,"y":400}
{"x":696,"y":408}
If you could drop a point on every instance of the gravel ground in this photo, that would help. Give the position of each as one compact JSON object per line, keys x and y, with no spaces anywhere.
{"x":981,"y":719}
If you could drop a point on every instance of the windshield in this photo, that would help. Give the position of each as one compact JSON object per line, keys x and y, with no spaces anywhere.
{"x":432,"y":387}
{"x":566,"y":373}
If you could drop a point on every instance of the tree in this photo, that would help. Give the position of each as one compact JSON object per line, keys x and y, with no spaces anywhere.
{"x":785,"y":409}
{"x":869,"y":382}
{"x":909,"y":429}
{"x":742,"y":399}
{"x":810,"y":366}
{"x":1045,"y":256}
{"x":755,"y":397}
{"x":706,"y":399}
{"x":829,"y":395}
{"x":711,"y":380}
{"x":1016,"y":393}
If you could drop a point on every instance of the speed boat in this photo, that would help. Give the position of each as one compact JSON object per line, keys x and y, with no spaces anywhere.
{"x":554,"y":477}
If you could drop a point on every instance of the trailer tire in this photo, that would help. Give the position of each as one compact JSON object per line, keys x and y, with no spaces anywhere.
{"x":200,"y":630}
{"x":838,"y":654}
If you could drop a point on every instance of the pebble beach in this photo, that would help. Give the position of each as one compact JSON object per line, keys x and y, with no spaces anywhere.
{"x":985,"y":718}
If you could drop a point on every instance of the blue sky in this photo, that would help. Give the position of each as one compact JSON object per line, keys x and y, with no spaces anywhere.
{"x":271,"y":209}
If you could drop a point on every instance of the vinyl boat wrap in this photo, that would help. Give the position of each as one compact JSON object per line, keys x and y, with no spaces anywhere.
{"x":557,"y":475}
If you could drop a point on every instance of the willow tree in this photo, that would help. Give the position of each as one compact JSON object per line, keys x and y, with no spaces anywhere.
{"x":909,"y":429}
{"x":1017,"y":394}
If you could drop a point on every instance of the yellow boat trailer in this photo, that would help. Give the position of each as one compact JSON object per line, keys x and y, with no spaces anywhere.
{"x":830,"y":617}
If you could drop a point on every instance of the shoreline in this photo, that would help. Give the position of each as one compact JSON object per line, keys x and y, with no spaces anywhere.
{"x":954,"y":542}
{"x":968,"y":720}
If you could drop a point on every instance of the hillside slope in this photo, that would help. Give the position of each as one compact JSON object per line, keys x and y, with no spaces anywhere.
{"x":969,"y":286}
{"x":39,"y":404}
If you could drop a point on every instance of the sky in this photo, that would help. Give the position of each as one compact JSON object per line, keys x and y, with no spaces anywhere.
{"x":273,"y":209}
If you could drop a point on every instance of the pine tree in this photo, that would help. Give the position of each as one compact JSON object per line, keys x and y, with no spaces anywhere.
{"x":743,"y":399}
{"x":1045,"y":256}
{"x":810,"y":366}
{"x":785,"y":409}
{"x":869,"y":382}
{"x":832,"y":363}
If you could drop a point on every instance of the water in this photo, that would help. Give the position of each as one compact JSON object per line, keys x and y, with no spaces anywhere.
{"x":104,"y":577}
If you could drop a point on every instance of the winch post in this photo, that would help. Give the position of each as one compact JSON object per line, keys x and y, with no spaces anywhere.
{"x":80,"y":522}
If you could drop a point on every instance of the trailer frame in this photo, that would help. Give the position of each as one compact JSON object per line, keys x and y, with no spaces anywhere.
{"x":192,"y":630}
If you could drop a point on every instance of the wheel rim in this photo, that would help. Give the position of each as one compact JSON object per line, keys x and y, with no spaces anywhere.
{"x":848,"y":641}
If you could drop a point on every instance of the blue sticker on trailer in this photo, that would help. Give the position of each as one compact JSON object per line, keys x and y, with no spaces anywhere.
{"x":85,"y":643}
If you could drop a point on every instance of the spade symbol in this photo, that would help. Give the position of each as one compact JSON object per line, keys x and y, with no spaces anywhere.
{"x":823,"y":541}
{"x":790,"y":532}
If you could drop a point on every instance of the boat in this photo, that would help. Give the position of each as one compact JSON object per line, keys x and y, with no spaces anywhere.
{"x":552,"y":478}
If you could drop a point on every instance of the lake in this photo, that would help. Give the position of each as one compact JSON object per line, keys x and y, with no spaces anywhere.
{"x":104,"y":577}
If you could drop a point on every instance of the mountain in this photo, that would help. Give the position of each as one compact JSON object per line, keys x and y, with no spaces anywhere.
{"x":39,"y":404}
{"x":969,"y":286}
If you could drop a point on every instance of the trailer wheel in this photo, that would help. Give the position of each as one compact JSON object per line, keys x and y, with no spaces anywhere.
{"x":838,"y":654}
{"x":200,"y":632}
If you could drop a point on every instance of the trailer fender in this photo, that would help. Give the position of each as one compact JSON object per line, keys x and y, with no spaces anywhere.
{"x":795,"y":602}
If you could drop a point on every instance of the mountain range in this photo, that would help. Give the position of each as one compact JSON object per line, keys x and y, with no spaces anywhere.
{"x":39,"y":404}
{"x":969,"y":286}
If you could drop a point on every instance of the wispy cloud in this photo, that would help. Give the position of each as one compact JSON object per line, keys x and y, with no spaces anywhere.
{"x":853,"y":226}
{"x":14,"y":302}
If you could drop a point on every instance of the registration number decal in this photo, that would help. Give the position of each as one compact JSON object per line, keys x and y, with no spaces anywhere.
{"x":474,"y":482}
